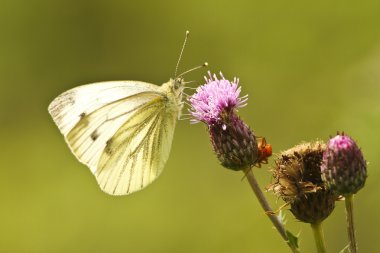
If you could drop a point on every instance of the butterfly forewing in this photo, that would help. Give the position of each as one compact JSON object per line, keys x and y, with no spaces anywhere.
{"x":121,"y":130}
{"x":69,"y":107}
{"x":90,"y":135}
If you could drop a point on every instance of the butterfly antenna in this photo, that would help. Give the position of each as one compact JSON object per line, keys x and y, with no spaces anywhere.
{"x":180,"y":55}
{"x":198,"y":67}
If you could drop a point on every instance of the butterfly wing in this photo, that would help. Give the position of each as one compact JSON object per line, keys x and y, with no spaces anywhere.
{"x":137,"y":153}
{"x":120,"y":130}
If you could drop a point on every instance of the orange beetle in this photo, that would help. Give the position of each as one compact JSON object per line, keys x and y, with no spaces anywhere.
{"x":264,"y":151}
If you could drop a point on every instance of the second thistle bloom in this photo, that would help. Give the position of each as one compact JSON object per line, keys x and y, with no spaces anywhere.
{"x":215,"y":103}
{"x":343,"y":167}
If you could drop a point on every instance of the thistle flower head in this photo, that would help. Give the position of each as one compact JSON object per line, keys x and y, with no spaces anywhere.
{"x":215,"y":104}
{"x":215,"y":99}
{"x":343,"y":167}
{"x":298,"y":182}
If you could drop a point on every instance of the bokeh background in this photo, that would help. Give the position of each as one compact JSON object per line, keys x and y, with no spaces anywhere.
{"x":310,"y":69}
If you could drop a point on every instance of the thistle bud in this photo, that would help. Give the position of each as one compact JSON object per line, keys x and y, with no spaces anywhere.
{"x":313,"y":207}
{"x":343,"y":167}
{"x":215,"y":103}
{"x":298,"y":182}
{"x":234,"y":143}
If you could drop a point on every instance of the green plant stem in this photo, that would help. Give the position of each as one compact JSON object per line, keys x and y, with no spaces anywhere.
{"x":268,"y":210}
{"x":319,"y":237}
{"x":350,"y":222}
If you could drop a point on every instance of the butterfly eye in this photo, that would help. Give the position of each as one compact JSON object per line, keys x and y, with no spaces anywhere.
{"x":178,"y":83}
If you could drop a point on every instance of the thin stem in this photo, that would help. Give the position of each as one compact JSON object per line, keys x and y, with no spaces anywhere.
{"x":350,"y":222}
{"x":319,"y":237}
{"x":268,"y":210}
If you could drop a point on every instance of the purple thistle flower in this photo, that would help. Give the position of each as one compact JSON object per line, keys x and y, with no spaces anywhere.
{"x":343,"y":167}
{"x":214,"y":98}
{"x":215,"y":104}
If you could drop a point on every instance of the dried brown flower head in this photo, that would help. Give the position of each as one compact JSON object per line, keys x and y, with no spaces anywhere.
{"x":297,"y":180}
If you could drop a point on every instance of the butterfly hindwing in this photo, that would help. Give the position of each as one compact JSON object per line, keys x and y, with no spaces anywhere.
{"x":137,"y":153}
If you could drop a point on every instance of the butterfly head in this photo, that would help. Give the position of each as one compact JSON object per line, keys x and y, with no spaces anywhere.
{"x":178,"y":83}
{"x":176,"y":86}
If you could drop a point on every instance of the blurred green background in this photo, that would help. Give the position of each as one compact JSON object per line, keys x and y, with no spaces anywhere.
{"x":310,"y":69}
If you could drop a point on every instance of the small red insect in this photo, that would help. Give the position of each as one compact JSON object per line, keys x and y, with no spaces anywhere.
{"x":264,"y":151}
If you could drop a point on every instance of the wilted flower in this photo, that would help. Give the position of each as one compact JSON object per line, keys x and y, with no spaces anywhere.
{"x":215,"y":103}
{"x":298,"y":182}
{"x":343,"y":167}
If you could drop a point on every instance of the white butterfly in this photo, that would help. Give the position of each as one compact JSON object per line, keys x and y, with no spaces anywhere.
{"x":121,"y":130}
